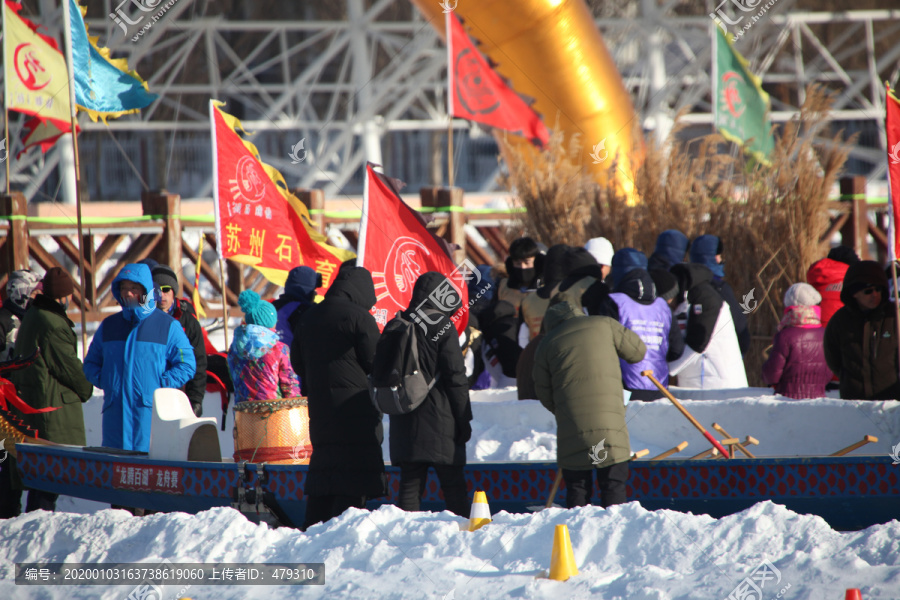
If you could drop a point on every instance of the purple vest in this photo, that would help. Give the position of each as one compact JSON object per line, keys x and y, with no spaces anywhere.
{"x":651,"y":323}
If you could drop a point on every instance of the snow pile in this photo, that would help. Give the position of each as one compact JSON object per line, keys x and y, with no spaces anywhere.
{"x":623,"y":552}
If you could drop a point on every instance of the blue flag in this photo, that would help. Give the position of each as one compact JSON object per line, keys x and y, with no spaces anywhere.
{"x":104,"y":87}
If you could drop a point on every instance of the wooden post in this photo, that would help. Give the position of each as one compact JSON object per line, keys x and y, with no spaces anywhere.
{"x":168,"y":207}
{"x":450,"y":201}
{"x":315,"y":202}
{"x":856,"y":229}
{"x":14,"y":208}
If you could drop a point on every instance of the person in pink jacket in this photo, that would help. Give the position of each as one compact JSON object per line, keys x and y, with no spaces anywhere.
{"x":259,"y":362}
{"x":796,"y":365}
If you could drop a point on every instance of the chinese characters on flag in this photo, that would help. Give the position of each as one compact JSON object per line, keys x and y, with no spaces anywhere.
{"x":257,"y":223}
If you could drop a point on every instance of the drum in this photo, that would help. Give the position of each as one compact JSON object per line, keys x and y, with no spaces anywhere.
{"x":274,"y":431}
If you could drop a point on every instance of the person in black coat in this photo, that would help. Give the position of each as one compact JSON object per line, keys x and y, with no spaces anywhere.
{"x":435,"y":433}
{"x":333,"y":351}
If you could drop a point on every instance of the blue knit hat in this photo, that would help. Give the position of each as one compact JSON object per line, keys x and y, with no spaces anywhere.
{"x":257,"y":310}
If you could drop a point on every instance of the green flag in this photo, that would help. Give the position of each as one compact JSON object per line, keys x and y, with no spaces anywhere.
{"x":740,"y":102}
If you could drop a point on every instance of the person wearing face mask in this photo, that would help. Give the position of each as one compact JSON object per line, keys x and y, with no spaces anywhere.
{"x":524,"y":263}
{"x":861,"y":337}
{"x":21,"y":289}
{"x":134,"y":353}
{"x":55,"y":379}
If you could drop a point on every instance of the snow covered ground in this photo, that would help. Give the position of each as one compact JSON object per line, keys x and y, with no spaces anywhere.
{"x":623,"y":552}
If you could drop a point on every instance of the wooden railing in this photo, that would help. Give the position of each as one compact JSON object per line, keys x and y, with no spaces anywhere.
{"x":159,"y":233}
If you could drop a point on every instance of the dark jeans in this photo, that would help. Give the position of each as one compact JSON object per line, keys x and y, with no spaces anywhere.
{"x":38,"y":500}
{"x":610,"y":480}
{"x":413,"y":477}
{"x":322,"y":508}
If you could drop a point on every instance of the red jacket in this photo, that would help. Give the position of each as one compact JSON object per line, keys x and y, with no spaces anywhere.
{"x":827,"y":276}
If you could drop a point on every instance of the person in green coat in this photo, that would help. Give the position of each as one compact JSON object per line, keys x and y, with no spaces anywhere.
{"x":56,"y":378}
{"x":577,"y":377}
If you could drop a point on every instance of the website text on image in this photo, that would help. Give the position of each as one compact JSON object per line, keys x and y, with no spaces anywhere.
{"x":745,"y":6}
{"x":122,"y":19}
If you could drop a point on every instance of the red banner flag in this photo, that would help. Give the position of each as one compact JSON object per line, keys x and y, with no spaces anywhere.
{"x":397,"y":249}
{"x":477,"y":92}
{"x":892,"y":125}
{"x":259,"y":223}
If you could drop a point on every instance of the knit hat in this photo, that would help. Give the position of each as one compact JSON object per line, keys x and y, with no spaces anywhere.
{"x":58,"y":283}
{"x":666,"y":283}
{"x":801,"y":294}
{"x":843,"y":254}
{"x":163,"y":275}
{"x":20,"y":286}
{"x":602,"y":249}
{"x":301,"y":282}
{"x":257,"y":310}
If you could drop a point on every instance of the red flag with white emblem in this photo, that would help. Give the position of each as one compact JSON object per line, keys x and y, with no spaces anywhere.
{"x":397,"y":249}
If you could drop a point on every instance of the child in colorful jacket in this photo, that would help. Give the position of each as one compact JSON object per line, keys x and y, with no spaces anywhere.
{"x":258,"y":361}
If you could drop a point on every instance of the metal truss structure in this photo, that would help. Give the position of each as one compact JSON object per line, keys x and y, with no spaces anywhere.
{"x":358,"y":80}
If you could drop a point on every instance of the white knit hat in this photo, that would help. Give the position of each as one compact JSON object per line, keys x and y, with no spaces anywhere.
{"x":602,"y":249}
{"x":802,"y":294}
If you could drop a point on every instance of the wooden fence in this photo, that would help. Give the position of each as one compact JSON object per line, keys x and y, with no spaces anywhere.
{"x":158,"y":233}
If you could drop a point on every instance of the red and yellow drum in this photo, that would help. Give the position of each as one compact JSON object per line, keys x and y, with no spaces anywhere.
{"x":274,"y":431}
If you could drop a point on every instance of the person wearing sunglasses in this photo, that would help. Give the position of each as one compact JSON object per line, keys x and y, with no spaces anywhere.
{"x":183,"y":311}
{"x":861,"y":337}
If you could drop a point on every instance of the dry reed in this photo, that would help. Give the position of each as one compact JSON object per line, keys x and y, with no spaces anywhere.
{"x":771,"y":217}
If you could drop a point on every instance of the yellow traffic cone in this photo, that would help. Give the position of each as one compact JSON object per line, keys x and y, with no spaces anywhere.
{"x":480,"y":515}
{"x":562,"y":560}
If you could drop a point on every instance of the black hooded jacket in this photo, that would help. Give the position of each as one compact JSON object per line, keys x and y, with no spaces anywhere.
{"x":696,"y":281}
{"x":861,"y":345}
{"x":437,"y":431}
{"x":333,"y":352}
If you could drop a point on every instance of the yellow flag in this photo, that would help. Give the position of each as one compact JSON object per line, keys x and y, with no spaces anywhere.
{"x":197,"y":305}
{"x":36,"y":79}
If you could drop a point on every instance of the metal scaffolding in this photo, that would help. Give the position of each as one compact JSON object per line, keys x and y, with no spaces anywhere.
{"x":365,"y":80}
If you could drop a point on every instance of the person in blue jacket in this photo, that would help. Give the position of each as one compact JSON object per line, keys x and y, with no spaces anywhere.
{"x":134,"y":353}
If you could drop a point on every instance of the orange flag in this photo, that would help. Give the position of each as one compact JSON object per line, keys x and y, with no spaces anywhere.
{"x":892,"y":125}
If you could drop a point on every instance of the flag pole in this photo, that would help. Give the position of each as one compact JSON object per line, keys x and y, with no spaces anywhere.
{"x":224,"y":300}
{"x":73,"y":111}
{"x":6,"y":137}
{"x":6,"y":108}
{"x":219,"y":250}
{"x":448,"y":16}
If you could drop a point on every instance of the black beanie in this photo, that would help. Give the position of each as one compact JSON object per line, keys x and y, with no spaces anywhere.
{"x":163,"y":275}
{"x":666,"y":283}
{"x":843,"y":254}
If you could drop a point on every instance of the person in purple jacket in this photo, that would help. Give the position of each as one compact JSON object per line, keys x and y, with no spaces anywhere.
{"x":796,"y":365}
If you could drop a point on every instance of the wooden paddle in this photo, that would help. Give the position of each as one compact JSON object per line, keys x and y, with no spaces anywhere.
{"x":649,"y":374}
{"x":866,"y":440}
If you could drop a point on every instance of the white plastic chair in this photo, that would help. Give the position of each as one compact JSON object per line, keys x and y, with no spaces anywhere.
{"x":177,"y":434}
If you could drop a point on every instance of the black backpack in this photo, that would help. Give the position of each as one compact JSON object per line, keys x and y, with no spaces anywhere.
{"x":397,"y":384}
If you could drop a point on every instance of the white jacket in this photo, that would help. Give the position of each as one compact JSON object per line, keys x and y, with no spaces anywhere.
{"x":720,"y":366}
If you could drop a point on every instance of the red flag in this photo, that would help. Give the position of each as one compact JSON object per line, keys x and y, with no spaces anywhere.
{"x":397,"y":248}
{"x":42,"y":134}
{"x":477,"y":92}
{"x":258,"y":224}
{"x":892,"y":125}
